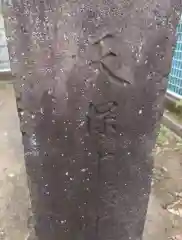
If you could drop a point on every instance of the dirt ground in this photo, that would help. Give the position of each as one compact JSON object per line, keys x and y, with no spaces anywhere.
{"x":164,"y":218}
{"x":14,"y":196}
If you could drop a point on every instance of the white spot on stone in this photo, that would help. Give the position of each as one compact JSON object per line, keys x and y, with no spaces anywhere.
{"x":96,"y":71}
{"x":63,"y":221}
{"x":81,"y":124}
{"x":50,"y":91}
{"x":84,"y":169}
{"x":41,"y":111}
{"x":140,"y":112}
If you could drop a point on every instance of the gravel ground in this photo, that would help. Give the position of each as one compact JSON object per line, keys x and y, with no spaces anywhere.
{"x":164,"y":218}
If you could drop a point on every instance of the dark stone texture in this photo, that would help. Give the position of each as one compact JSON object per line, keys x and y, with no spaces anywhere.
{"x":90,"y":88}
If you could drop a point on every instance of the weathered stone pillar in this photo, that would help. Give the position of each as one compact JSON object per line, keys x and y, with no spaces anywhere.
{"x":90,"y":84}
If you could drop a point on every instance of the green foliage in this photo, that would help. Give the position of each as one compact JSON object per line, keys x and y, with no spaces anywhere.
{"x":166,"y":136}
{"x":163,"y":136}
{"x":179,"y":104}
